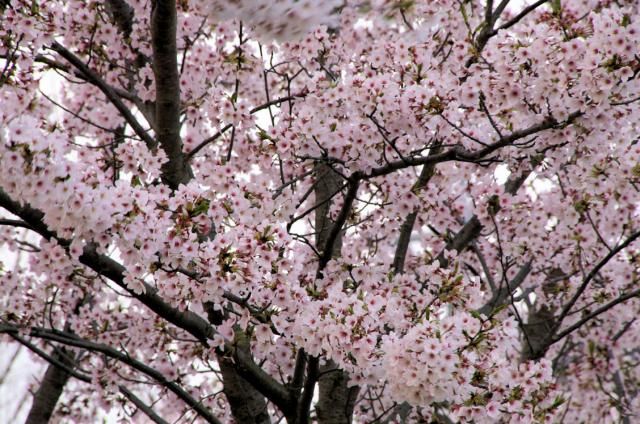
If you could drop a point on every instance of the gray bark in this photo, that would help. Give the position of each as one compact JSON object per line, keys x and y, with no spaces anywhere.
{"x":336,"y":399}
{"x":51,"y":388}
{"x":247,"y":404}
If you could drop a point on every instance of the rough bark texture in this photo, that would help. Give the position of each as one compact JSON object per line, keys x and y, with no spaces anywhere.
{"x":247,"y":404}
{"x":336,"y":399}
{"x":165,"y":68}
{"x":328,"y":182}
{"x":121,"y":14}
{"x":406,"y":229}
{"x":537,"y":332}
{"x":50,"y":390}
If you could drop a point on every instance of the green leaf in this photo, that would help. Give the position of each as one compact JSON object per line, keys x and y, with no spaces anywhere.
{"x":201,"y":206}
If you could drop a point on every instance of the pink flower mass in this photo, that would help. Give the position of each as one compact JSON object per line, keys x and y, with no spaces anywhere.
{"x":376,"y":211}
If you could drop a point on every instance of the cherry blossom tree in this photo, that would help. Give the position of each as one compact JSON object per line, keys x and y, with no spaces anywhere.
{"x":323,"y":211}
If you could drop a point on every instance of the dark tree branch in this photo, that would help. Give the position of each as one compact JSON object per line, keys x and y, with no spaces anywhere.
{"x":176,"y":170}
{"x":297,"y":379}
{"x":247,"y":404}
{"x":146,"y":409}
{"x":604,"y":308}
{"x":511,"y":22}
{"x":469,"y":232}
{"x":14,"y":223}
{"x":61,"y":361}
{"x":328,"y":249}
{"x":504,"y":293}
{"x":406,"y":228}
{"x":485,"y":34}
{"x":122,"y":15}
{"x":187,"y":320}
{"x":227,"y":127}
{"x":335,"y":403}
{"x":460,"y":153}
{"x":59,"y":66}
{"x":336,"y":399}
{"x":304,"y":403}
{"x":208,"y":140}
{"x":72,"y":340}
{"x":594,"y":271}
{"x":51,"y":386}
{"x":254,"y":374}
{"x":114,"y":98}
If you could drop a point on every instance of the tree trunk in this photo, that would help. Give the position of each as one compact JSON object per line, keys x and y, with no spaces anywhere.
{"x":247,"y":404}
{"x":336,"y":399}
{"x":50,"y":390}
{"x":537,"y":332}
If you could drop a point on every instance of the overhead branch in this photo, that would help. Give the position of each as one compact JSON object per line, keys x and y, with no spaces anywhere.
{"x":336,"y":398}
{"x":59,"y":66}
{"x":227,"y":127}
{"x":462,"y":154}
{"x":590,"y":276}
{"x":58,"y":362}
{"x":14,"y":223}
{"x":69,"y":339}
{"x":247,"y":404}
{"x":588,"y":317}
{"x":469,"y":232}
{"x":238,"y":377}
{"x":187,"y":320}
{"x":50,"y":388}
{"x":111,"y":95}
{"x":304,"y":402}
{"x":146,"y":409}
{"x":261,"y":380}
{"x":486,"y":30}
{"x":328,"y":248}
{"x":504,"y":293}
{"x":122,"y":15}
{"x":524,"y":12}
{"x":406,"y":228}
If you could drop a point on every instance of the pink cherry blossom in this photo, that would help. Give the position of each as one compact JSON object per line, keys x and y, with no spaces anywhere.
{"x":331,"y":211}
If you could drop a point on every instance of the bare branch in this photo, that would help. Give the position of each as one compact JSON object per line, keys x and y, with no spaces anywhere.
{"x":594,"y":271}
{"x":14,"y":223}
{"x":511,"y":22}
{"x":96,"y":80}
{"x":148,"y":411}
{"x":50,"y":359}
{"x":72,"y":340}
{"x":590,"y":316}
{"x":189,"y":321}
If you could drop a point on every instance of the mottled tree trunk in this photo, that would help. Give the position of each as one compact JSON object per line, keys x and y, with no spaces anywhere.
{"x":336,"y":399}
{"x":537,"y":332}
{"x":247,"y":404}
{"x":50,"y":390}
